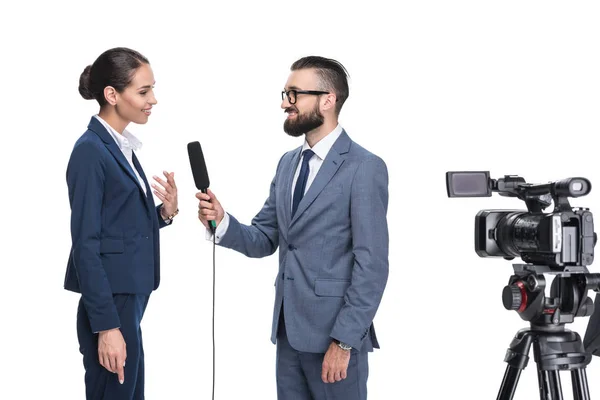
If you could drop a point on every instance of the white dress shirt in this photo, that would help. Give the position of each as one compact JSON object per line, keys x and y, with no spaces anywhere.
{"x":127,"y":142}
{"x":314,"y":164}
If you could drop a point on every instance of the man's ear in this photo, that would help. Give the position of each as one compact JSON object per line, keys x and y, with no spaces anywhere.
{"x":329,"y":101}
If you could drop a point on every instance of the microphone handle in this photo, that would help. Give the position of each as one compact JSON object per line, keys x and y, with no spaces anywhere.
{"x":213,"y":224}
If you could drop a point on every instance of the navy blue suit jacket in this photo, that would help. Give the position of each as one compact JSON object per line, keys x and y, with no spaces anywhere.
{"x":114,"y":227}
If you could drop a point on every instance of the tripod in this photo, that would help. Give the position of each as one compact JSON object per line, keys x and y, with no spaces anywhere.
{"x":553,"y":351}
{"x":555,"y":348}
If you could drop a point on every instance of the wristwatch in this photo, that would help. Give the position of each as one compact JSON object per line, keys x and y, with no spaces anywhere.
{"x":170,"y":217}
{"x":342,"y":345}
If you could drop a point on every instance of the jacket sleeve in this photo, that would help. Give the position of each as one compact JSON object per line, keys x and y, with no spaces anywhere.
{"x":368,"y":210}
{"x":261,"y":237}
{"x":86,"y":180}
{"x":161,"y":221}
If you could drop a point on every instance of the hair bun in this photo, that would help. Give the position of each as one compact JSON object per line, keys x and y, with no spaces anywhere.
{"x":85,"y":83}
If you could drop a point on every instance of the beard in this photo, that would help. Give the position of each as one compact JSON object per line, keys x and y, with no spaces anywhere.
{"x":303,"y":123}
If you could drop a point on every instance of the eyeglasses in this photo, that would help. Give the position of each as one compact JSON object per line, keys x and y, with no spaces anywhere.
{"x":293,"y":94}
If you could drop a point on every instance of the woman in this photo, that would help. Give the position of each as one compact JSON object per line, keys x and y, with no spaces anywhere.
{"x":114,"y":261}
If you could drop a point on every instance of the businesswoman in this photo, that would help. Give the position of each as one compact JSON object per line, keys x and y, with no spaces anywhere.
{"x":115,"y":261}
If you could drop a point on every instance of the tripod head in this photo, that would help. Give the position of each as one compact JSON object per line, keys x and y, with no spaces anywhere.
{"x":525,"y":293}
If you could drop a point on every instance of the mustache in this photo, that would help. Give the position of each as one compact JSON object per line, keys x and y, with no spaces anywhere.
{"x":290,"y":109}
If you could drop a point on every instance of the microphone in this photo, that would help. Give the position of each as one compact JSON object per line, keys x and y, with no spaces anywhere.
{"x":199,"y":171}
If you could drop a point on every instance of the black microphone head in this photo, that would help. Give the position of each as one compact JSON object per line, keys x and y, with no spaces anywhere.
{"x":198,"y":166}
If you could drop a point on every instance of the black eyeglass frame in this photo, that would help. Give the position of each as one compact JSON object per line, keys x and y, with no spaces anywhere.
{"x":296,"y":92}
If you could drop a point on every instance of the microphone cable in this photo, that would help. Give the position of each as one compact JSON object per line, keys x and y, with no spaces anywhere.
{"x":213,"y":313}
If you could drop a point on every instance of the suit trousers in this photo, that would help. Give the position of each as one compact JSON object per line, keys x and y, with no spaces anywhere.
{"x":299,"y":374}
{"x":101,"y":384}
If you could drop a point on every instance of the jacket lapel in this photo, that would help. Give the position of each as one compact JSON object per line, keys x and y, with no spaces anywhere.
{"x":97,"y":127}
{"x":148,"y":195}
{"x":333,"y":161}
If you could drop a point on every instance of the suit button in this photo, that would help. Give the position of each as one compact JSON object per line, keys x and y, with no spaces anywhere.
{"x":291,"y":247}
{"x":147,"y":237}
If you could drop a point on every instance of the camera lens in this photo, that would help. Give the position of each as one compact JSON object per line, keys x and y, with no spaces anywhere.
{"x":519,"y":232}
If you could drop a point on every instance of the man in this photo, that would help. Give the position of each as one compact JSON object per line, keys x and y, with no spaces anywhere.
{"x":326,"y":211}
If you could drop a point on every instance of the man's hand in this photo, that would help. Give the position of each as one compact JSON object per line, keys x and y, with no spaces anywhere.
{"x":335,"y":364}
{"x":209,"y":208}
{"x":167,"y":193}
{"x":112,"y":352}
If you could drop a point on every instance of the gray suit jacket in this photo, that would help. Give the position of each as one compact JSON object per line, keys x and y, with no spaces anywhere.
{"x":333,"y":255}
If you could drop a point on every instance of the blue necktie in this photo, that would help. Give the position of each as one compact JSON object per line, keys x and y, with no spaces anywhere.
{"x":301,"y":182}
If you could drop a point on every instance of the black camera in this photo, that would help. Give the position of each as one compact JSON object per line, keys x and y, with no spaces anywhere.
{"x":561,"y":239}
{"x":560,"y":243}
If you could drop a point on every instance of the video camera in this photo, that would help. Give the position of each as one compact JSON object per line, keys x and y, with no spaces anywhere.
{"x":560,"y":243}
{"x":561,"y":239}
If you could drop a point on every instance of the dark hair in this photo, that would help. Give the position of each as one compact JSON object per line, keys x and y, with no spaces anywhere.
{"x":115,"y":67}
{"x":332,"y":76}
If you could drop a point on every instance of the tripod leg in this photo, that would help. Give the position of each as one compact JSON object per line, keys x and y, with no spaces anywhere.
{"x":580,"y":386}
{"x":550,"y":388}
{"x":516,"y":358}
{"x":509,"y":383}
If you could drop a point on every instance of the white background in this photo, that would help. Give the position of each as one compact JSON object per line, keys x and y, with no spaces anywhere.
{"x":512,"y":87}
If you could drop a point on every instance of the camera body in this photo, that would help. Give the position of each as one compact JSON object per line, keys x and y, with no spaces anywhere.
{"x":554,"y":239}
{"x":562,"y":238}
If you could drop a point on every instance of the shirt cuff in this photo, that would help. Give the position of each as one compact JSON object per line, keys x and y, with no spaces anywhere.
{"x":220,"y":231}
